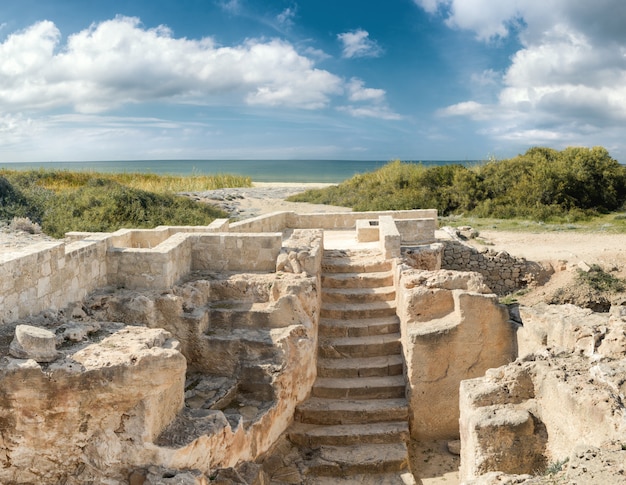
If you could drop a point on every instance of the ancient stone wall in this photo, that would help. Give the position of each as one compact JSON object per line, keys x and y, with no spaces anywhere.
{"x":502,"y":272}
{"x":49,"y":275}
{"x":452,"y":329}
{"x":327,"y":220}
{"x":53,"y":275}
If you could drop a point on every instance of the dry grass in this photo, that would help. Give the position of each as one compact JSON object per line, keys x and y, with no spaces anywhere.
{"x":62,"y":180}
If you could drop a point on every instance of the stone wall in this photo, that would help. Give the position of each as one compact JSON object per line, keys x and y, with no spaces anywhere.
{"x":53,"y":275}
{"x":502,"y":272}
{"x":452,"y":329}
{"x":49,"y":275}
{"x":326,"y":220}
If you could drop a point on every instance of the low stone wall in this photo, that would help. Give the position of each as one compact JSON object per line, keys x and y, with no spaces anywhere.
{"x":278,"y":221}
{"x":452,"y":328}
{"x":49,"y":275}
{"x":235,"y":252}
{"x":502,"y":272}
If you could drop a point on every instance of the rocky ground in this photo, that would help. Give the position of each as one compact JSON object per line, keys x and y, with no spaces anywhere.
{"x":566,"y":253}
{"x":262,"y":198}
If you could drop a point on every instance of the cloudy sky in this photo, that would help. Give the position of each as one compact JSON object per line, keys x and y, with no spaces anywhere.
{"x":309,"y":79}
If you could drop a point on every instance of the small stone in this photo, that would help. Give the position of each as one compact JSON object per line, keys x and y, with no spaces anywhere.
{"x":454,"y":447}
{"x":34,"y":343}
{"x":584,"y":267}
{"x":78,"y":312}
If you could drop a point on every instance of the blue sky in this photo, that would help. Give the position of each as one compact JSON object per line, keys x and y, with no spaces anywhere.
{"x":304,"y":79}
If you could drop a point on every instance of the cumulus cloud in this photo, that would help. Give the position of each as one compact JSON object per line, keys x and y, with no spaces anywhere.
{"x":371,"y":102}
{"x":358,"y":92}
{"x":118,"y":62}
{"x":566,"y":82}
{"x":357,"y":43}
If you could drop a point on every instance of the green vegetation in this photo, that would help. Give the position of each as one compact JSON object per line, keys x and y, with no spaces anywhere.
{"x":543,"y":184}
{"x":600,"y":280}
{"x":62,"y":201}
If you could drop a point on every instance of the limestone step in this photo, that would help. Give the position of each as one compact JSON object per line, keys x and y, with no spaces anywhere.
{"x":387,"y":387}
{"x":357,"y":280}
{"x":329,"y":327}
{"x":351,"y":411}
{"x":398,"y":478}
{"x":313,"y":436}
{"x":346,"y":311}
{"x":385,"y":365}
{"x":351,"y":265}
{"x":358,"y":295}
{"x":359,"y":459}
{"x":349,"y":347}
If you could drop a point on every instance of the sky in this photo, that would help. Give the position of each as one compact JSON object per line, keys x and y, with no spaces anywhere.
{"x":85,"y":80}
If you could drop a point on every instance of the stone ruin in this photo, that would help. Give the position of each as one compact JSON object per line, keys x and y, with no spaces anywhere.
{"x":295,"y":348}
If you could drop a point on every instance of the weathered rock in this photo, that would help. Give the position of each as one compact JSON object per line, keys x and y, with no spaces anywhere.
{"x":550,"y":401}
{"x":441,"y":316}
{"x":34,"y":343}
{"x":88,"y":416}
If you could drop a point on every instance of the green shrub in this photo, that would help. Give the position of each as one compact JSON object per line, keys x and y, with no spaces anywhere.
{"x":14,"y":203}
{"x":600,"y":280}
{"x":543,"y":184}
{"x":103,"y":206}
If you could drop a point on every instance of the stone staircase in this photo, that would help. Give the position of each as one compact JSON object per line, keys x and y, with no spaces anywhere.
{"x":354,"y":427}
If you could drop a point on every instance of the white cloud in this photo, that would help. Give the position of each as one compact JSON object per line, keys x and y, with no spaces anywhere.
{"x":372,"y":102}
{"x":118,"y":62}
{"x":374,"y":111}
{"x":358,"y":44}
{"x":231,"y":6}
{"x":358,"y":92}
{"x":488,"y":77}
{"x":567,"y":81}
{"x":285,"y":18}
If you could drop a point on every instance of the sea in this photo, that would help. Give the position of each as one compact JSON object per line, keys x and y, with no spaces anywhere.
{"x":302,"y":171}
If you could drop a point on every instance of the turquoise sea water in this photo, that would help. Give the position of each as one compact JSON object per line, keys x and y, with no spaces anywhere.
{"x":332,"y":171}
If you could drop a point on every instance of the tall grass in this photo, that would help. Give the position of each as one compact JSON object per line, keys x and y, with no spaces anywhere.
{"x":61,"y":180}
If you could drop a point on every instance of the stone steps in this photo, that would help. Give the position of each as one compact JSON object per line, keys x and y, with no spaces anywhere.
{"x":357,"y":280}
{"x":354,"y":427}
{"x":313,"y":436}
{"x":329,"y":327}
{"x":379,"y":366}
{"x":358,"y":295}
{"x":397,"y":478}
{"x":359,"y":459}
{"x":387,"y":387}
{"x":356,"y":311}
{"x":351,"y":411}
{"x":351,"y":347}
{"x":355,"y":264}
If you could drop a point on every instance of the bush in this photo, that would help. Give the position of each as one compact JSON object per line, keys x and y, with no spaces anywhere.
{"x":104,"y":206}
{"x":543,"y":184}
{"x":13,"y":203}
